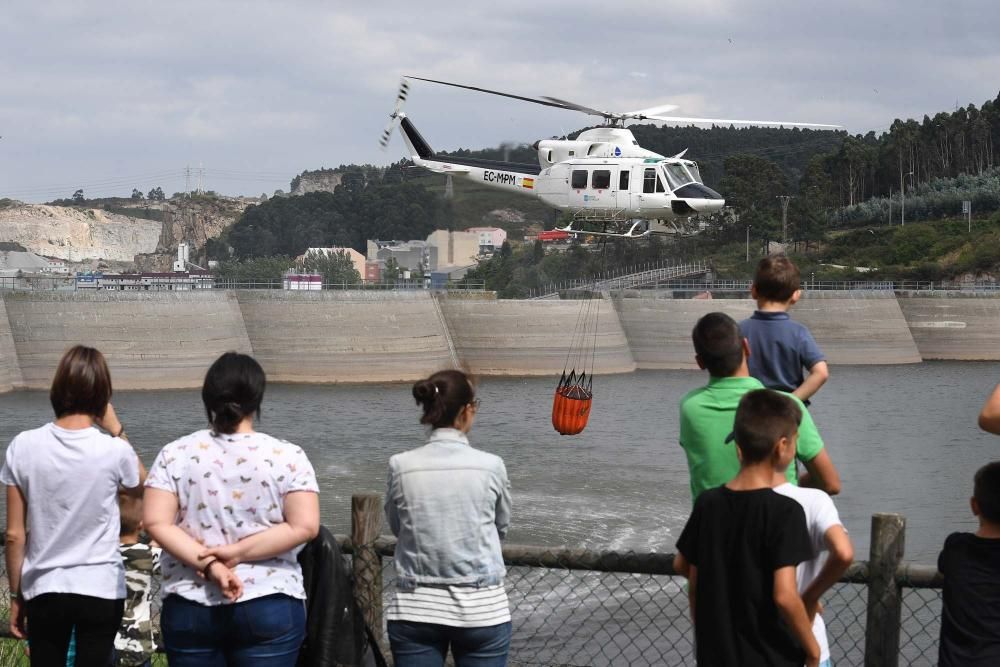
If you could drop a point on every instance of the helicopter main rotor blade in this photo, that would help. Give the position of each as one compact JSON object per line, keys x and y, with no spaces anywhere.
{"x":650,"y":112}
{"x":589,"y":110}
{"x":543,"y":102}
{"x":733,"y":121}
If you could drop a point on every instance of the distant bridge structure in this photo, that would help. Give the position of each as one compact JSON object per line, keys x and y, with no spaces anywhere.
{"x":629,"y":278}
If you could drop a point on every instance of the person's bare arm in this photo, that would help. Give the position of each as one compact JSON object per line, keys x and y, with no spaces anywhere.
{"x":109,"y":422}
{"x":681,"y":565}
{"x":989,"y":417}
{"x":786,"y":598}
{"x":301,"y":524}
{"x":818,"y":375}
{"x":159,"y":509}
{"x":692,"y":588}
{"x":841,"y":555}
{"x":17,"y":508}
{"x":821,"y":474}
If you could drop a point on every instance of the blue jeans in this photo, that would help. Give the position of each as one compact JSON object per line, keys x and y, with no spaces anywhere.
{"x":263,"y":632}
{"x":426,"y":644}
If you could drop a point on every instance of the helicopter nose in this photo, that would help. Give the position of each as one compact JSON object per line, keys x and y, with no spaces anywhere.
{"x":707,"y":205}
{"x":698,"y":198}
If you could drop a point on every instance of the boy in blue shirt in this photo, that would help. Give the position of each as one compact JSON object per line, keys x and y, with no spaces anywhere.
{"x":781,"y":348}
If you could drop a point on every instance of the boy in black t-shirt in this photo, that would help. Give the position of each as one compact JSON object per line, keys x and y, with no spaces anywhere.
{"x":741,"y":546}
{"x":970,"y":563}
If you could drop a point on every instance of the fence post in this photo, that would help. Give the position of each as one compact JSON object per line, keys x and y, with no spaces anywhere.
{"x":885,"y":597}
{"x":366,"y":524}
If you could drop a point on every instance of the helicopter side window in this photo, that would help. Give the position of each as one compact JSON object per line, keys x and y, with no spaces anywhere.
{"x":579,"y":179}
{"x":623,"y":180}
{"x":659,"y":184}
{"x":601,"y":179}
{"x":649,"y":181}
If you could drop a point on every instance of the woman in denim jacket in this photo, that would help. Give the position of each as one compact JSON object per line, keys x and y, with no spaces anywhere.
{"x":449,"y":506}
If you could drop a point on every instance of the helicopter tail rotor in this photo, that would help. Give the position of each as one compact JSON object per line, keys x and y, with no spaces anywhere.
{"x":404,"y":91}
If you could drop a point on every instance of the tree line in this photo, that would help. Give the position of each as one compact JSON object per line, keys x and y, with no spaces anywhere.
{"x":368,"y":204}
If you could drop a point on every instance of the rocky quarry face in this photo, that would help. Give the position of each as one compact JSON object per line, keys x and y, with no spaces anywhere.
{"x":78,"y":235}
{"x":317,"y":181}
{"x":194,"y":221}
{"x":91,"y":235}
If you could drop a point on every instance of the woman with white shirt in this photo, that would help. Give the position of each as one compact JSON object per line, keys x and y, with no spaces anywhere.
{"x":231,"y":508}
{"x":63,"y":481}
{"x":449,"y":506}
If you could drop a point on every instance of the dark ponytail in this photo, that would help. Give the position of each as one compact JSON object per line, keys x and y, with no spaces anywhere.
{"x":233,"y":389}
{"x":442,"y":396}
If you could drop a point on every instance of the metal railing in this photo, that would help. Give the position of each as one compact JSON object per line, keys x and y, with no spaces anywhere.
{"x":47,"y":284}
{"x":583,"y":607}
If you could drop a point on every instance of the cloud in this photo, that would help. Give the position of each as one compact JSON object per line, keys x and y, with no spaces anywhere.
{"x":118,"y":89}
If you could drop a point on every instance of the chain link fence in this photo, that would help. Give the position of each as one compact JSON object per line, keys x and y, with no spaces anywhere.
{"x":566,"y":616}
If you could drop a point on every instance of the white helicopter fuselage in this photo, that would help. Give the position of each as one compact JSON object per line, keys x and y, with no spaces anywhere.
{"x":601,"y":175}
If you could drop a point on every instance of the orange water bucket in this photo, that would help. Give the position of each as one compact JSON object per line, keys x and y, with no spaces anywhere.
{"x":571,"y":409}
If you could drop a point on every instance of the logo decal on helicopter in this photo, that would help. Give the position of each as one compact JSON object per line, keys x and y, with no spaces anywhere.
{"x":528,"y":183}
{"x":499,"y":177}
{"x":618,"y":151}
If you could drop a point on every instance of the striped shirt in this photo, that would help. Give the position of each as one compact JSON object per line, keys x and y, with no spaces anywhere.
{"x":455,"y":606}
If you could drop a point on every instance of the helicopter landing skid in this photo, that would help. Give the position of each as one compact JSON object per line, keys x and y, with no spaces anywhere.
{"x":621,"y":228}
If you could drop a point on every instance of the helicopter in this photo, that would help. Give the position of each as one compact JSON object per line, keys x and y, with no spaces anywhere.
{"x":602,"y":177}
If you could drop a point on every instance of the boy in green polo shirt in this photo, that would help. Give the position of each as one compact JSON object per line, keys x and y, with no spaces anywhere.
{"x":707,"y":414}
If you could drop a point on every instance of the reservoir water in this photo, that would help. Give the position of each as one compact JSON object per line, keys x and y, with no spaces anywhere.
{"x":903,"y":437}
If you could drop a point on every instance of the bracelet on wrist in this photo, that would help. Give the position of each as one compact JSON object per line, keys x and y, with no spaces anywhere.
{"x":208,"y":566}
{"x":121,"y":431}
{"x":15,"y":595}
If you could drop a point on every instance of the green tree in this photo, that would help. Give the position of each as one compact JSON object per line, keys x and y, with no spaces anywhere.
{"x":256,"y":270}
{"x":136,"y":194}
{"x":391,"y":272}
{"x":78,"y":196}
{"x":156,"y":194}
{"x":336,"y":268}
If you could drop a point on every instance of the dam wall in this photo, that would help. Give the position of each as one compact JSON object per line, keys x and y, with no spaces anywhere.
{"x":958,"y":326}
{"x":659,"y":330}
{"x":534,"y":337}
{"x":850,"y":327}
{"x":10,"y":370}
{"x":157,"y":340}
{"x":346,"y":336}
{"x":151,"y":340}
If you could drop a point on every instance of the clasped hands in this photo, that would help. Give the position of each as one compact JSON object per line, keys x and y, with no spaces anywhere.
{"x":219,"y":570}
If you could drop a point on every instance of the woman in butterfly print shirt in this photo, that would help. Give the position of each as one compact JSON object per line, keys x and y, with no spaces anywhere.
{"x":232,"y":508}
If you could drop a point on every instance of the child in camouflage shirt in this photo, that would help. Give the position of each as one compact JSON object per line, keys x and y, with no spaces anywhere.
{"x":135,"y":643}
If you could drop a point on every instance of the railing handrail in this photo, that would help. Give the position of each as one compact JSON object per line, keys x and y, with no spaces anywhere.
{"x":908,"y":575}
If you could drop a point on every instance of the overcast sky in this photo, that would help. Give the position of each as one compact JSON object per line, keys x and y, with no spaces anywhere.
{"x":114,"y":95}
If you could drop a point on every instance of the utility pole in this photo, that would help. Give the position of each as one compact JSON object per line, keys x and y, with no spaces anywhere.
{"x":784,"y":217}
{"x":187,"y":180}
{"x":748,"y":244}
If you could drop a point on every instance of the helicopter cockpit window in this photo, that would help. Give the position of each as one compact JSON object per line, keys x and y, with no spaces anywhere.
{"x":693,"y":168}
{"x":676,"y":175}
{"x":601,"y":179}
{"x":579,"y":179}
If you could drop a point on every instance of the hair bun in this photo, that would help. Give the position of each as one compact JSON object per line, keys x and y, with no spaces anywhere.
{"x":424,"y":391}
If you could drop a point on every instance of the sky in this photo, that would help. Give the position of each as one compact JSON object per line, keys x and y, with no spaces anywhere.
{"x":114,"y":95}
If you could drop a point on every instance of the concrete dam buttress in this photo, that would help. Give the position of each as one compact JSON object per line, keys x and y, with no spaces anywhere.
{"x":156,"y":340}
{"x":345,"y":336}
